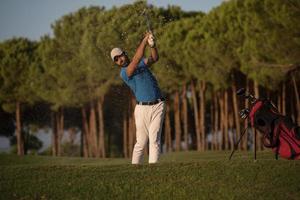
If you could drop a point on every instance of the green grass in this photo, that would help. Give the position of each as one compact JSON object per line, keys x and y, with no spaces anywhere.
{"x":185,"y":175}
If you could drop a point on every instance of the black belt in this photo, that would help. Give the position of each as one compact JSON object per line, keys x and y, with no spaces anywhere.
{"x":148,"y":103}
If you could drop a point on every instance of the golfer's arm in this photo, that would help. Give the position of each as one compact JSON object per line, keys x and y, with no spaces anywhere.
{"x":153,"y":58}
{"x":136,"y":58}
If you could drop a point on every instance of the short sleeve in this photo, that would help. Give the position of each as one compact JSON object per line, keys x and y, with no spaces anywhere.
{"x":123,"y":74}
{"x":142,"y":63}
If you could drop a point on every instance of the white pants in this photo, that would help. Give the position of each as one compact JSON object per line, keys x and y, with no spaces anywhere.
{"x":149,"y":121}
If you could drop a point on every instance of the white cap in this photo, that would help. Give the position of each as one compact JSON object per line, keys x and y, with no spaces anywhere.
{"x":115,"y":52}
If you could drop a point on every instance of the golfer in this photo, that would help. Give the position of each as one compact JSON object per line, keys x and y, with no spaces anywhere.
{"x":150,"y":107}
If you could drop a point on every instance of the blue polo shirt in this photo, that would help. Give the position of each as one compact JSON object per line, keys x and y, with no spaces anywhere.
{"x":142,"y":83}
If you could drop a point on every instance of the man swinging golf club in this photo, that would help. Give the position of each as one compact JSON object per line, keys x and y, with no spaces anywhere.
{"x":150,"y":108}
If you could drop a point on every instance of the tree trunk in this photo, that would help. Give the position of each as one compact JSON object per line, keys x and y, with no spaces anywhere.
{"x":130,"y":135}
{"x":258,"y":136}
{"x":297,"y":99}
{"x":58,"y":148}
{"x":216,"y":122}
{"x":236,"y":113}
{"x":231,"y":127}
{"x":133,"y":103}
{"x":202,"y":114}
{"x":245,"y":139}
{"x":256,"y":89}
{"x":212,"y":124}
{"x":85,"y":134}
{"x":132,"y":128}
{"x":93,"y":130}
{"x":269,"y":95}
{"x":60,"y":129}
{"x":125,"y":134}
{"x":293,"y":108}
{"x":177,"y":122}
{"x":226,"y":119}
{"x":196,"y":115}
{"x":185,"y":117}
{"x":221,"y":128}
{"x":283,"y":98}
{"x":54,"y":135}
{"x":20,"y":137}
{"x":279,"y":101}
{"x":168,"y":137}
{"x":101,"y":138}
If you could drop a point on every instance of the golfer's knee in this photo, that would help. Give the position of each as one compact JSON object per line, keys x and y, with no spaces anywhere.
{"x":154,"y":146}
{"x":140,"y":145}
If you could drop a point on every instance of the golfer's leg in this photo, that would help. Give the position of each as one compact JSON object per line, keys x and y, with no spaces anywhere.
{"x":155,"y":131}
{"x":141,"y":135}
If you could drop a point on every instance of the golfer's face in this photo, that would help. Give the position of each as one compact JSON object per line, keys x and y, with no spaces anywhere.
{"x":120,"y":60}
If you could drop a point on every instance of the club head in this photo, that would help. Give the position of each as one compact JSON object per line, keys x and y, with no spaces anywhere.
{"x":241,"y":92}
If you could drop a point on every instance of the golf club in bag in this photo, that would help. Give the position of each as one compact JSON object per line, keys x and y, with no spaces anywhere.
{"x":279,"y":132}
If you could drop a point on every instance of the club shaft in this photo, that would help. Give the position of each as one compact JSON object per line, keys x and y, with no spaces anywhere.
{"x":148,"y":23}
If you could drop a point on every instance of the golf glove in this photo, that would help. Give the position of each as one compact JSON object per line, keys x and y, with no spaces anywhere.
{"x":151,"y":41}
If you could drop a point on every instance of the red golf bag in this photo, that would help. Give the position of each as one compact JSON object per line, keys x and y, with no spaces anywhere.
{"x":279,"y":132}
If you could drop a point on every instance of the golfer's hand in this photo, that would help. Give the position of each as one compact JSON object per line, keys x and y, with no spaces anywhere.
{"x":146,"y":37}
{"x":150,"y":40}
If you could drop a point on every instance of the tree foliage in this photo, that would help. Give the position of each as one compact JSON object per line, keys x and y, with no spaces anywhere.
{"x":257,"y":38}
{"x":16,"y":66}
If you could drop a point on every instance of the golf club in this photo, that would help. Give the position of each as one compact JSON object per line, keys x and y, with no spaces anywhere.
{"x":145,"y":13}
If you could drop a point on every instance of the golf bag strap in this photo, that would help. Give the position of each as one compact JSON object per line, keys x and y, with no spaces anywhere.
{"x":277,"y":142}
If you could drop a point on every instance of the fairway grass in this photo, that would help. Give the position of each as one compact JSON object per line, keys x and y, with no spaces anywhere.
{"x":184,"y":175}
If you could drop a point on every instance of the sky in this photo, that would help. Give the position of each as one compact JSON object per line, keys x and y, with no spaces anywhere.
{"x":33,"y":18}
